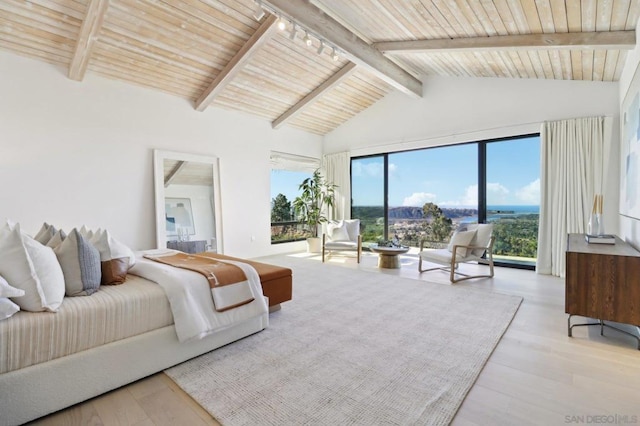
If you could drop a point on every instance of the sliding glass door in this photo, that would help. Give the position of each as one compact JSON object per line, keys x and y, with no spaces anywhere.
{"x":368,"y":200}
{"x":513,"y":198}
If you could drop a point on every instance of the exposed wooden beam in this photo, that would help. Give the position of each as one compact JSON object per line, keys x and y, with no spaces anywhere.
{"x":174,"y":173}
{"x":616,"y":40}
{"x":235,"y":65}
{"x":315,"y":94}
{"x":87,"y":38}
{"x":355,"y":49}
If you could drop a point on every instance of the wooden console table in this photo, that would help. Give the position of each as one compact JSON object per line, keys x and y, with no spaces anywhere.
{"x":602,"y":282}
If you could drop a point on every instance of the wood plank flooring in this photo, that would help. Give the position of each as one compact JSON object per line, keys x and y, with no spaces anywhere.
{"x":537,"y":375}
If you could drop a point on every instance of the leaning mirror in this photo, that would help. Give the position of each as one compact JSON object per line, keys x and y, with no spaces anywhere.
{"x":187,"y":192}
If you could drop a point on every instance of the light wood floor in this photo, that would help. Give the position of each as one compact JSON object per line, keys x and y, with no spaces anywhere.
{"x":537,"y":374}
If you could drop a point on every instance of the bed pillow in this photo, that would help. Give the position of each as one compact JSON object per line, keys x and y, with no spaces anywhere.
{"x":7,"y":291}
{"x":114,"y":258}
{"x":86,"y":232}
{"x":80,"y":262}
{"x":338,"y":231}
{"x":462,"y":238}
{"x":48,"y":270}
{"x":16,"y":267}
{"x":57,"y":239}
{"x":7,"y":308}
{"x":45,"y":233}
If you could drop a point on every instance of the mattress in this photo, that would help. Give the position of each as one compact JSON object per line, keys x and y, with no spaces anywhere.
{"x":83,"y":322}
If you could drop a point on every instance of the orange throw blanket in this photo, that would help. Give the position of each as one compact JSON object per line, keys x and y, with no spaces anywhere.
{"x":228,"y":282}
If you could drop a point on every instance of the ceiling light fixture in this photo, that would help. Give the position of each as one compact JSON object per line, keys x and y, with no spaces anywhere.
{"x":259,"y":12}
{"x":282,"y":24}
{"x":307,"y":39}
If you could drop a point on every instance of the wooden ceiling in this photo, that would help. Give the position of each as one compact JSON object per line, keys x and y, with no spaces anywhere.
{"x":215,"y":52}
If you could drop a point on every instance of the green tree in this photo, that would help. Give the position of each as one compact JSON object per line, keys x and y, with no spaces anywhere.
{"x":437,"y":226}
{"x":281,"y":209}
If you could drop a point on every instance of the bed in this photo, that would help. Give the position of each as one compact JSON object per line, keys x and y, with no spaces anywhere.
{"x":120,"y":334}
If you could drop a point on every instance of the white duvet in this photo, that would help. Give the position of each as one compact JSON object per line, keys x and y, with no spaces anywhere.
{"x":190,"y":297}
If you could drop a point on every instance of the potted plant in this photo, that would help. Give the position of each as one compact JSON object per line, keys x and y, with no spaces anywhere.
{"x":316,"y":195}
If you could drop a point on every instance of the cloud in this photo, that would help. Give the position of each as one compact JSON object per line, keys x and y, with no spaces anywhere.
{"x":529,"y":194}
{"x":418,"y":199}
{"x":496,"y":193}
{"x":374,"y":169}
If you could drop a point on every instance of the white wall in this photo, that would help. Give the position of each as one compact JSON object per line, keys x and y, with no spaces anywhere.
{"x":629,"y":227}
{"x":74,"y":153}
{"x":460,"y":109}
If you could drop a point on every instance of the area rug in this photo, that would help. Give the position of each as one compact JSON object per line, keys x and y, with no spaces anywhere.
{"x":353,"y":347}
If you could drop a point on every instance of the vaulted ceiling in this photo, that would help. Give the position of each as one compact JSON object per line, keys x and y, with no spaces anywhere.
{"x":216,"y":52}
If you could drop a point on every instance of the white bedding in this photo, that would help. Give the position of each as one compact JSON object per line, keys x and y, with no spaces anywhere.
{"x":191,"y":301}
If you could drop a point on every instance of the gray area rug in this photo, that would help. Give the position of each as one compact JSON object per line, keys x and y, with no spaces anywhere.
{"x":353,"y":347}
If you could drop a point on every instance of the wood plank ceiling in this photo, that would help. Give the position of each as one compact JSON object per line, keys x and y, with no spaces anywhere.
{"x":215,"y":52}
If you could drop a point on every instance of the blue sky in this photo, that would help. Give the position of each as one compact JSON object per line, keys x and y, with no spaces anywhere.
{"x":446,"y":175}
{"x":286,"y":182}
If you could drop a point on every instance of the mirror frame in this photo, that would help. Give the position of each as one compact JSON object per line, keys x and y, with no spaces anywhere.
{"x":158,"y":173}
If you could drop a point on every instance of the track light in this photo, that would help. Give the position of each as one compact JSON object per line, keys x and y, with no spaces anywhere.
{"x":282,"y":24}
{"x":321,"y":48}
{"x":334,"y":54}
{"x":307,"y":39}
{"x":294,"y":31}
{"x":259,"y":12}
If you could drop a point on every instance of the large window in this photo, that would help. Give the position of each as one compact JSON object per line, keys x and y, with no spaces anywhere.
{"x":287,"y":172}
{"x":513,"y":197}
{"x":427,"y":194}
{"x":368,"y":196}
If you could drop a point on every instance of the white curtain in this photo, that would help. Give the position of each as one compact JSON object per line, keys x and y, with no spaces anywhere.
{"x":571,"y":174}
{"x":336,"y":170}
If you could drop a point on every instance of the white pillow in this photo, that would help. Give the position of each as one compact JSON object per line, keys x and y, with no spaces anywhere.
{"x":7,"y":291}
{"x":115,"y":257}
{"x":337,"y":231}
{"x":57,"y":239}
{"x":7,"y":308}
{"x":16,"y":267}
{"x":45,"y":233}
{"x":48,"y":270}
{"x":80,"y":262}
{"x":462,"y":238}
{"x":86,"y":232}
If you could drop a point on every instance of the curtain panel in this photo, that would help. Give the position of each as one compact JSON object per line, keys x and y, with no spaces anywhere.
{"x":336,"y":169}
{"x":572,"y":164}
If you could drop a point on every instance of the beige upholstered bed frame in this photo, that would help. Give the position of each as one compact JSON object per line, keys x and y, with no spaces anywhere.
{"x":40,"y":389}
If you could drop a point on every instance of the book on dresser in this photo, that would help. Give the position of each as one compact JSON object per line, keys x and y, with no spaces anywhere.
{"x":600,"y":239}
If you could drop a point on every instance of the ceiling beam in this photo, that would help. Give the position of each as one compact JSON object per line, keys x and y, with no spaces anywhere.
{"x":344,"y":73}
{"x":174,"y":173}
{"x":617,"y":40}
{"x":355,"y":49}
{"x":87,"y":38}
{"x":235,"y":65}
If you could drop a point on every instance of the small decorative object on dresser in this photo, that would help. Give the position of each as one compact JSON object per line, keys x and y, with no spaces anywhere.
{"x":600,"y":239}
